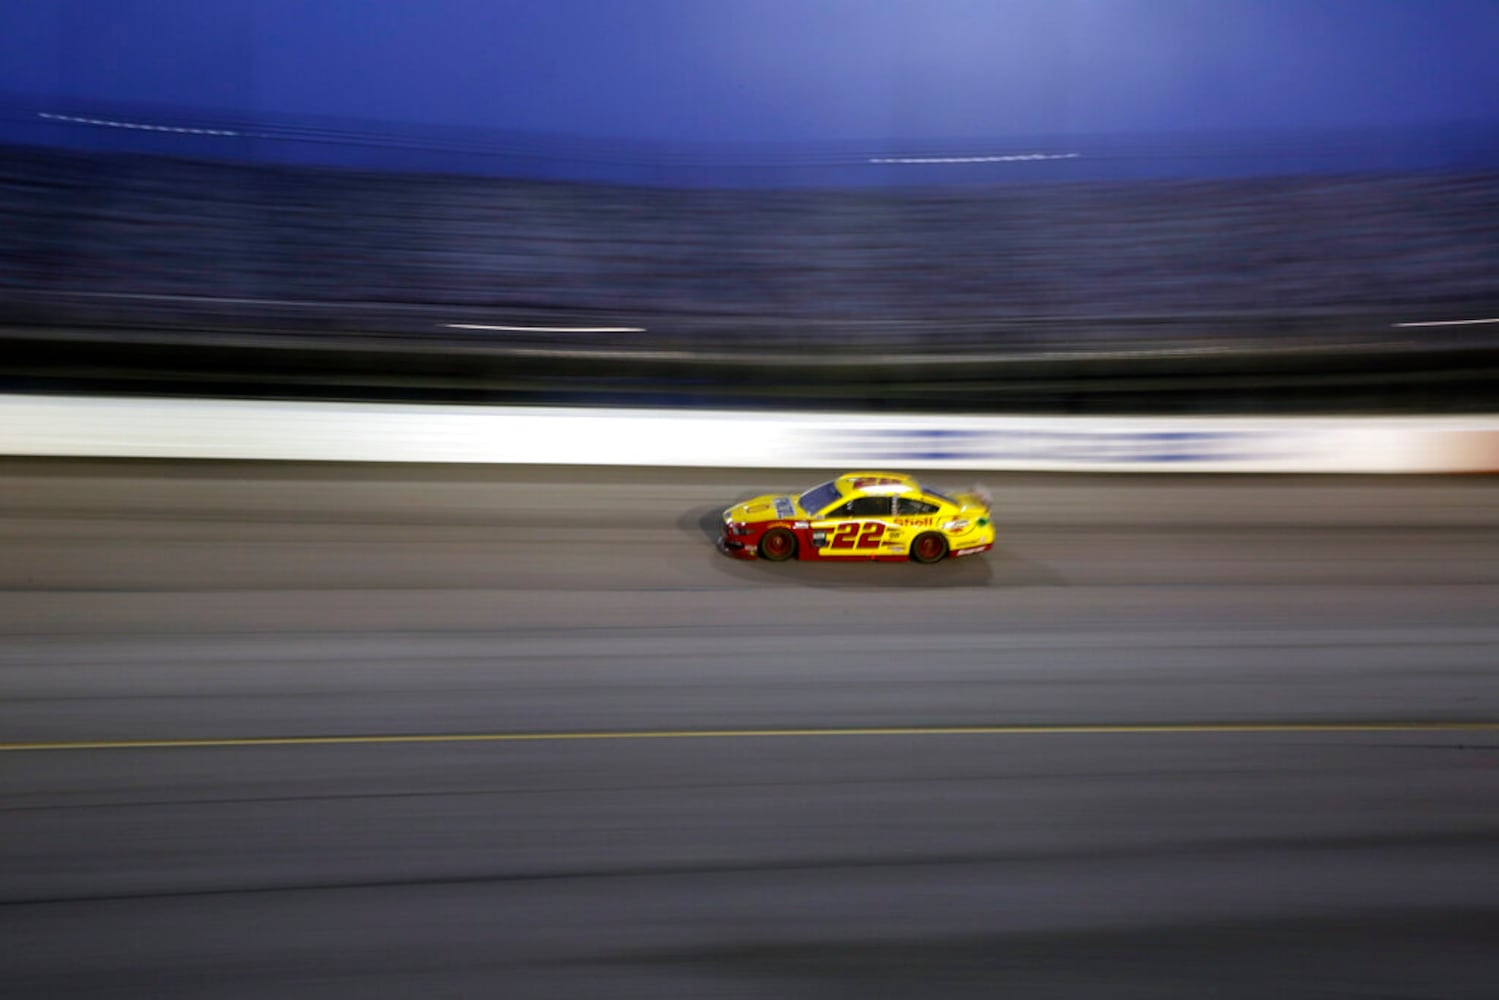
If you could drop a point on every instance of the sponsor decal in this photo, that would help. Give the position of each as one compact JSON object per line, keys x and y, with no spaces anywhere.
{"x":1082,"y":446}
{"x":783,"y":507}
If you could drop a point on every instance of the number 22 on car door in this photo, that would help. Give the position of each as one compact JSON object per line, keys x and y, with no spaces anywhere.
{"x":856,"y":529}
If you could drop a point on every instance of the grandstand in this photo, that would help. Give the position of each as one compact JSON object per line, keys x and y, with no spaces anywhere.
{"x":1313,"y":292}
{"x":95,"y":224}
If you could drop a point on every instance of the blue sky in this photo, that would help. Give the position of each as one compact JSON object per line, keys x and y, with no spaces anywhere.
{"x":767,"y":71}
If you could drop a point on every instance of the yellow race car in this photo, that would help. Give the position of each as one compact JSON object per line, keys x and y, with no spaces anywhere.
{"x":860,"y":515}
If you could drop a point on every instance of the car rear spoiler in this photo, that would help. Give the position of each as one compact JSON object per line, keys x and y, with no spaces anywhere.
{"x":978,"y":491}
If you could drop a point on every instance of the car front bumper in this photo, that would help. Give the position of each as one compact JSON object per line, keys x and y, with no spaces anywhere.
{"x":736,"y":547}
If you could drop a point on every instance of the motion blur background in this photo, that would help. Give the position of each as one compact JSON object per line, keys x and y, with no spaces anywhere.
{"x":1143,"y":207}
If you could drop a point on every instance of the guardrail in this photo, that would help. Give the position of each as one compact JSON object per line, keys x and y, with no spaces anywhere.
{"x":119,"y":427}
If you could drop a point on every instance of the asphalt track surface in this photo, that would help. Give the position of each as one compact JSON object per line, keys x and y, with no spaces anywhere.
{"x":376,"y":731}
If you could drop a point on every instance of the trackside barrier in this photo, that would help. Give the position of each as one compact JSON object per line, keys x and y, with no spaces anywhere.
{"x":110,"y":427}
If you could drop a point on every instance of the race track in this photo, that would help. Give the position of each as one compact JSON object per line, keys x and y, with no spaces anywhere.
{"x":352,"y":731}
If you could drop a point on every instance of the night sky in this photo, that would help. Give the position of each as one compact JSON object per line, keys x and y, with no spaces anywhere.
{"x":775,"y":70}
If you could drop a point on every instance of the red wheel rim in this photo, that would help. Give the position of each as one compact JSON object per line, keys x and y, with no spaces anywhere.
{"x":777,"y":544}
{"x":928,"y":548}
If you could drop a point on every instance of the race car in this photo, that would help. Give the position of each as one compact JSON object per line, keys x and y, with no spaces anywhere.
{"x":860,"y":515}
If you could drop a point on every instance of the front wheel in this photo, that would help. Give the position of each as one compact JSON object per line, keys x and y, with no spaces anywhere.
{"x":929,"y":547}
{"x":777,"y":545}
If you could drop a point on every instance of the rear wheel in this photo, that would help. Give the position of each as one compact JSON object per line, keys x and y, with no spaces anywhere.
{"x":929,"y":547}
{"x":777,"y":545}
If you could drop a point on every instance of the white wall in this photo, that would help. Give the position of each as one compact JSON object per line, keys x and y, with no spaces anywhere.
{"x":391,"y":432}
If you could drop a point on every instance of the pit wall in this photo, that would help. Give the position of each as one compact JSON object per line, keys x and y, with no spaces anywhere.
{"x":110,"y":427}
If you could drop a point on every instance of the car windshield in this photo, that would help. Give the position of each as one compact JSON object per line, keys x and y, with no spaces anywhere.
{"x":819,"y":497}
{"x":939,"y":496}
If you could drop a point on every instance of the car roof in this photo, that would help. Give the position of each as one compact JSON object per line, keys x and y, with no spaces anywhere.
{"x":877,"y":483}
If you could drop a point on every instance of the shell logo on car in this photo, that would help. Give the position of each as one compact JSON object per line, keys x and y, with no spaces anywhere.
{"x":860,"y":515}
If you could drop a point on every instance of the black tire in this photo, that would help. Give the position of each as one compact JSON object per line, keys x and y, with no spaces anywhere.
{"x":928,"y":547}
{"x":777,"y":545}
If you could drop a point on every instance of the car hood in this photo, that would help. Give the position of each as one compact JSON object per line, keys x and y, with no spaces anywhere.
{"x":771,"y":507}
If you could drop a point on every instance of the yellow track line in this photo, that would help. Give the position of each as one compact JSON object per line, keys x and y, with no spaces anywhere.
{"x":703,"y":734}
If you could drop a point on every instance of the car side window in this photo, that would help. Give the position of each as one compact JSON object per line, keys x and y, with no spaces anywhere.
{"x":863,"y":507}
{"x":907,"y":506}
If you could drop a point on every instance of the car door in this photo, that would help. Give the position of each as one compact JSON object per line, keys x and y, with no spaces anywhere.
{"x":913,"y":516}
{"x":853,"y":530}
